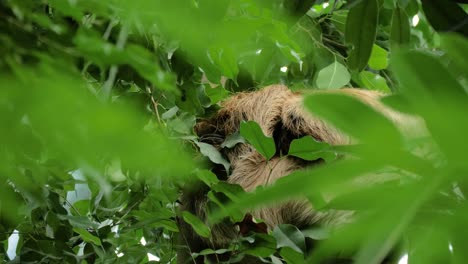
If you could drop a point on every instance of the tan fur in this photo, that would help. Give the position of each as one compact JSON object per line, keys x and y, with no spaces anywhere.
{"x":271,"y":107}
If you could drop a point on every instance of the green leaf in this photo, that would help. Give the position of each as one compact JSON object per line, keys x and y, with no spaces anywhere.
{"x":308,"y":148}
{"x":68,"y":8}
{"x":216,"y":94}
{"x":190,"y":99}
{"x":210,"y":251}
{"x":233,"y":191}
{"x":94,"y":48}
{"x":412,"y":8}
{"x":226,"y":61}
{"x":232,"y":140}
{"x":353,"y":117}
{"x":361,"y":199}
{"x":208,"y":177}
{"x":142,"y":60}
{"x":437,"y":96}
{"x":198,"y":226}
{"x":435,"y":239}
{"x":81,"y":222}
{"x":213,"y":154}
{"x":400,"y":29}
{"x":374,"y":82}
{"x":218,"y":201}
{"x":402,"y":3}
{"x":456,"y":48}
{"x":87,"y":236}
{"x":78,"y":120}
{"x":263,"y":246}
{"x":445,"y":16}
{"x":317,"y":233}
{"x":379,"y":58}
{"x":333,"y":76}
{"x":183,"y":124}
{"x":301,"y":182}
{"x":289,"y":236}
{"x":252,"y":132}
{"x":170,"y":113}
{"x":82,"y":207}
{"x":361,"y":29}
{"x":288,"y":47}
{"x":292,"y":256}
{"x":440,"y":89}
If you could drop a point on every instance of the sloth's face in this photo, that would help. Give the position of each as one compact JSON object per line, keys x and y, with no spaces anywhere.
{"x":264,"y":107}
{"x":211,"y":130}
{"x":280,"y":115}
{"x":277,"y":111}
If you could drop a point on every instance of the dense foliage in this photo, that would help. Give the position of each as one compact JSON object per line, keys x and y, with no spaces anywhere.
{"x":98,"y":100}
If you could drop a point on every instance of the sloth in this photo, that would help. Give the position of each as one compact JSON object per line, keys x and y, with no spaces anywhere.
{"x":280,"y":114}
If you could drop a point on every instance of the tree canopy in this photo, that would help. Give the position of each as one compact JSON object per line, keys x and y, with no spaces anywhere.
{"x":98,"y":101}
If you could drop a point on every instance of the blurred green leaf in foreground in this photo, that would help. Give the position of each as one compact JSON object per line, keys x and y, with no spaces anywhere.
{"x":98,"y":100}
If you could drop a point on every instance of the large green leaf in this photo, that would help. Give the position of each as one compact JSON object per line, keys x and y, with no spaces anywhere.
{"x":353,"y":117}
{"x":94,"y":48}
{"x":218,"y":202}
{"x":232,"y":191}
{"x":252,"y":132}
{"x":378,"y":59}
{"x":77,"y":120}
{"x":213,"y":154}
{"x":216,"y":94}
{"x":456,"y":48}
{"x":208,"y":177}
{"x":198,"y":226}
{"x":361,"y":28}
{"x":224,"y":59}
{"x":289,"y":236}
{"x":374,"y":82}
{"x":405,"y":206}
{"x":263,"y":246}
{"x":301,"y":182}
{"x":292,"y":256}
{"x":233,"y":140}
{"x":333,"y":76}
{"x":87,"y":236}
{"x":308,"y":148}
{"x":445,"y":16}
{"x":437,"y":96}
{"x":400,"y":31}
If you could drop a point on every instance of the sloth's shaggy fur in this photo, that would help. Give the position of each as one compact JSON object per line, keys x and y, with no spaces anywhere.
{"x":280,"y":114}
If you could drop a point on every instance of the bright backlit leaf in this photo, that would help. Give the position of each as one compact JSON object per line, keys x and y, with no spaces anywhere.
{"x":374,"y":82}
{"x":379,"y":58}
{"x":333,"y":76}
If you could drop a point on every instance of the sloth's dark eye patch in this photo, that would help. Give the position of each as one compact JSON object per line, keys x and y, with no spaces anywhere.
{"x":213,"y":139}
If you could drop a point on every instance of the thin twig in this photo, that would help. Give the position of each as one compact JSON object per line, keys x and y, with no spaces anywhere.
{"x":107,"y":86}
{"x":154,"y":103}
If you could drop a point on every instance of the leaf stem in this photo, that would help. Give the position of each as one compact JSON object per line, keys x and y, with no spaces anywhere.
{"x":107,"y":86}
